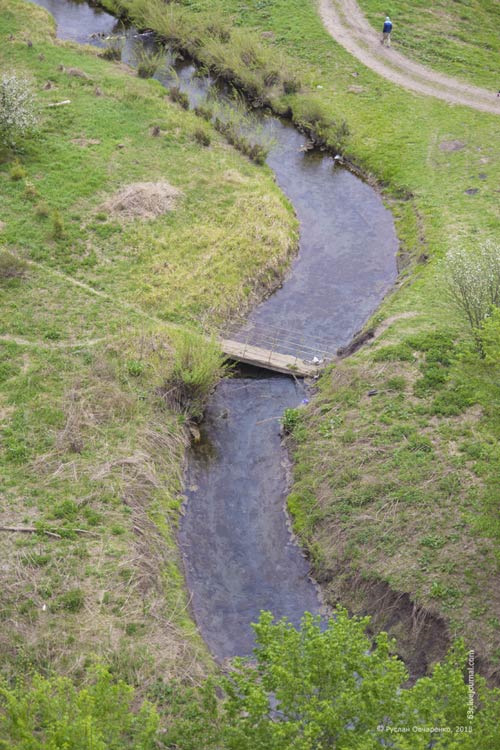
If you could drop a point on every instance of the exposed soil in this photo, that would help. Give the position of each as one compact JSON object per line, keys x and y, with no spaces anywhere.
{"x":345,"y":22}
{"x":422,"y":636}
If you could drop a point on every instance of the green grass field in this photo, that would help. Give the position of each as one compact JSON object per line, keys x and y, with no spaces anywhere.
{"x":91,"y":454}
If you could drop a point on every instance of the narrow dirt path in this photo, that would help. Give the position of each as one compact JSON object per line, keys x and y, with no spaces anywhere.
{"x":40,"y":344}
{"x":345,"y":22}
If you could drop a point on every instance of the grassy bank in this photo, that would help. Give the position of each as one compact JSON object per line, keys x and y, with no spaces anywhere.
{"x":458,"y":39}
{"x":398,"y":487}
{"x":96,"y":385}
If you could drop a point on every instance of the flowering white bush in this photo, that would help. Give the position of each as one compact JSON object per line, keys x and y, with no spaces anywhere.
{"x":18,"y":111}
{"x":473,"y":281}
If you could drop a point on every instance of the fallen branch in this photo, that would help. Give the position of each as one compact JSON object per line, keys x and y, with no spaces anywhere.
{"x":30,"y":530}
{"x":59,"y":104}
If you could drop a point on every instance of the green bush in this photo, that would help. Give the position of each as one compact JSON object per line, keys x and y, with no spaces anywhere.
{"x":148,"y":63}
{"x":70,"y":601}
{"x":11,"y":267}
{"x":202,"y":137}
{"x":113,"y":50}
{"x":52,"y":714}
{"x":57,"y":232}
{"x":398,"y":383}
{"x":197,"y":365}
{"x":290,"y":420}
{"x":204,"y":111}
{"x":135,"y":368}
{"x":434,"y":376}
{"x":452,"y":402}
{"x":436,"y":344}
{"x":329,"y":686}
{"x":179,"y":97}
{"x":393,"y":353}
{"x":17,"y":172}
{"x":42,"y":210}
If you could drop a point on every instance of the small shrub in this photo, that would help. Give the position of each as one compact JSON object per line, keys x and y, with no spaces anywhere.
{"x":419,"y":444}
{"x":57,"y":226}
{"x":473,"y":282}
{"x":290,"y":420}
{"x":30,"y":191}
{"x":18,"y":110}
{"x":202,"y":110}
{"x":219,"y":28}
{"x":256,"y":152}
{"x":271,"y":78}
{"x":202,"y":137}
{"x":179,"y":97}
{"x":452,"y":402}
{"x":433,"y":541}
{"x":434,"y":376}
{"x":17,"y":172}
{"x":113,"y":50}
{"x":291,"y":84}
{"x":148,"y":63}
{"x":394,"y":353}
{"x":431,"y":341}
{"x":398,"y":383}
{"x":131,"y":628}
{"x":42,"y":210}
{"x":66,"y":510}
{"x":197,"y":366}
{"x":71,"y":601}
{"x":11,"y":267}
{"x":135,"y":368}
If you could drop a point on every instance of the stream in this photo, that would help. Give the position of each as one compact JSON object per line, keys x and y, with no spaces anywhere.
{"x":239,"y":554}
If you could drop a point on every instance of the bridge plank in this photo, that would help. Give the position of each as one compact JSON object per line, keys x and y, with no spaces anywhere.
{"x":268,"y":359}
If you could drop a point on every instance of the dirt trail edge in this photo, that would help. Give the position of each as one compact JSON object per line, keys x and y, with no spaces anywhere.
{"x":345,"y":22}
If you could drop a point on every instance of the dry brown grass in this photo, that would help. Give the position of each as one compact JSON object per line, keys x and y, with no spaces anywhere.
{"x":142,"y":200}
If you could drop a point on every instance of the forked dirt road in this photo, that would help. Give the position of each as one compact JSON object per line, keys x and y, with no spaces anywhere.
{"x":345,"y":22}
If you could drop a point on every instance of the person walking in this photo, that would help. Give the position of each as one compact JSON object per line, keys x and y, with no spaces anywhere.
{"x":386,"y":33}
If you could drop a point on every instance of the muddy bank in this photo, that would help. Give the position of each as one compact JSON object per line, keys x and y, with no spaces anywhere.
{"x":422,"y":637}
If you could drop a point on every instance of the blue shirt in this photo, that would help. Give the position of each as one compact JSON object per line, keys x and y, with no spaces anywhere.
{"x":387,"y":27}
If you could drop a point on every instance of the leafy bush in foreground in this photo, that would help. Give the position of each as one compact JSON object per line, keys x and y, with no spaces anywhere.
{"x":321,"y":688}
{"x":51,"y":714}
{"x":318,"y":687}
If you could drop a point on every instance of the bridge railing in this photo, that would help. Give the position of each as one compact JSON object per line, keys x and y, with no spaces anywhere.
{"x":281,"y":340}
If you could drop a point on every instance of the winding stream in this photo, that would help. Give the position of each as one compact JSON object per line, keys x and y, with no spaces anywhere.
{"x":239,"y":554}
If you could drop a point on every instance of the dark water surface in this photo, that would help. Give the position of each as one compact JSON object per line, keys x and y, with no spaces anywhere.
{"x":239,"y":554}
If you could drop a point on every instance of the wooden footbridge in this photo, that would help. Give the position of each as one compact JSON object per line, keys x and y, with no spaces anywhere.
{"x":277,"y":349}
